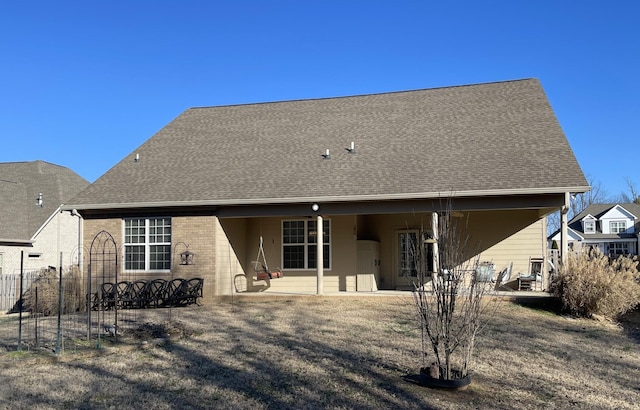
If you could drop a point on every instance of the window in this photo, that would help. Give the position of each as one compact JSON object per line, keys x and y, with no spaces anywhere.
{"x":618,"y":248}
{"x":147,"y":244}
{"x":589,"y":226}
{"x":617,"y":226}
{"x":409,"y":255}
{"x":299,"y":244}
{"x":407,"y":242}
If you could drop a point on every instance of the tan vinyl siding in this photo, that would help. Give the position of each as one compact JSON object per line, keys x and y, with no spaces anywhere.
{"x":230,"y":265}
{"x":518,"y":248}
{"x":340,"y":277}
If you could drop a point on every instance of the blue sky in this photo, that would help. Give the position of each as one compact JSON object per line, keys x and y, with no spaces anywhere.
{"x":83,"y":83}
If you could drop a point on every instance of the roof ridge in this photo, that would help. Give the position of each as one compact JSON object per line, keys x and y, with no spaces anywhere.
{"x":363,"y":95}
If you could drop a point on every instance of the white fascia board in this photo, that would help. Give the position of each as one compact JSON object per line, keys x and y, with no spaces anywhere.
{"x":624,"y":210}
{"x":58,"y":210}
{"x":621,"y":209}
{"x":344,"y":198}
{"x":573,"y":235}
{"x":17,"y":241}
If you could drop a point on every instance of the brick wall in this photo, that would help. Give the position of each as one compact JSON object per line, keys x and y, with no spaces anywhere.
{"x":198,"y":232}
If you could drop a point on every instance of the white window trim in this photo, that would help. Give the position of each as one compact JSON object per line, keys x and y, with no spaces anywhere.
{"x":590,"y":223}
{"x":622,"y":245}
{"x":146,"y":244}
{"x":305,"y":244}
{"x":622,"y":221}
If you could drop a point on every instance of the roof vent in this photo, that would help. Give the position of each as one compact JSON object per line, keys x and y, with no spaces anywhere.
{"x":352,"y":148}
{"x":326,"y":154}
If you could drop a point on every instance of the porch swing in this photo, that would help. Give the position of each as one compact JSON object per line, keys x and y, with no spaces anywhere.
{"x":261,"y":268}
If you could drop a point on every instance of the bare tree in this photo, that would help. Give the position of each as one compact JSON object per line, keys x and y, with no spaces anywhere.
{"x":634,"y":194}
{"x":450,"y":302}
{"x":579,"y":202}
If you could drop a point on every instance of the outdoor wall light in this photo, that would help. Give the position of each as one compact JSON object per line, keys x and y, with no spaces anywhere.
{"x":39,"y":200}
{"x":315,"y":207}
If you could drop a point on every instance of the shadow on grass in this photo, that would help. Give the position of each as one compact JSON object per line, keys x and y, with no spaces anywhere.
{"x":245,"y":361}
{"x":630,"y":322}
{"x":543,"y":304}
{"x":312,"y":354}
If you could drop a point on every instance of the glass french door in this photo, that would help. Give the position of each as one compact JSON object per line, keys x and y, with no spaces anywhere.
{"x":410,"y":255}
{"x":407,"y":257}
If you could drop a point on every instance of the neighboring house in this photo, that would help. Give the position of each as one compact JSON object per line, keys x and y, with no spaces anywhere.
{"x":368,"y":170}
{"x":611,"y":228}
{"x":31,"y":222}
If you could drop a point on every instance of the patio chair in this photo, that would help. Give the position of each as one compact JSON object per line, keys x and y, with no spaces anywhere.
{"x":530,"y":280}
{"x":173,"y":292}
{"x":153,"y":294}
{"x":503,"y":277}
{"x":108,"y":294}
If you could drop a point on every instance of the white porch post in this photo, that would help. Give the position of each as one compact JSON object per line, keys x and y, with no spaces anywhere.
{"x":564,"y":239}
{"x":320,"y":256}
{"x":434,"y":232}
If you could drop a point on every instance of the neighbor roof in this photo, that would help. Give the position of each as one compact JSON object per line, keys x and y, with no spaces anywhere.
{"x":475,"y":140}
{"x":20,"y":184}
{"x":597,"y":211}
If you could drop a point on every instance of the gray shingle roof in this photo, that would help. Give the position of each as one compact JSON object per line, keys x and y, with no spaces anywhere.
{"x":478,"y":139}
{"x":597,"y":211}
{"x":20,"y":183}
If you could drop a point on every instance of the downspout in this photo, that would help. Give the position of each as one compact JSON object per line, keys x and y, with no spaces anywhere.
{"x":80,"y":238}
{"x":564,"y":240}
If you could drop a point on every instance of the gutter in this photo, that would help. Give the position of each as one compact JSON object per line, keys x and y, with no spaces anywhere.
{"x":17,"y":241}
{"x":344,"y":198}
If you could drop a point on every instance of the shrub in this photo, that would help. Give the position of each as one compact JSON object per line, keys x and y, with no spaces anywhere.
{"x":591,"y":283}
{"x":42,"y":295}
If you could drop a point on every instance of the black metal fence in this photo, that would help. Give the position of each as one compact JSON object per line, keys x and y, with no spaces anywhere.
{"x":60,"y":310}
{"x":52,"y":313}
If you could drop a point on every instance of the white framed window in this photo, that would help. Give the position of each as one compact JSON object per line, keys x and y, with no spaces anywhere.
{"x":617,"y":226}
{"x":147,"y":244}
{"x":299,"y":244}
{"x":1,"y":264}
{"x":618,"y":248}
{"x":589,"y":226}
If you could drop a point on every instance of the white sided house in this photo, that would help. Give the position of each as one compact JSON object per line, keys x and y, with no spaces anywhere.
{"x":337,"y":190}
{"x":612,"y":228}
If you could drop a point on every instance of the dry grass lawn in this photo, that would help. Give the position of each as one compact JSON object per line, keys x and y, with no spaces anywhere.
{"x":326,"y":352}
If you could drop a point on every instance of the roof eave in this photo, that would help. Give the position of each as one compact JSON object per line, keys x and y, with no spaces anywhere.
{"x":16,"y":241}
{"x":344,"y":198}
